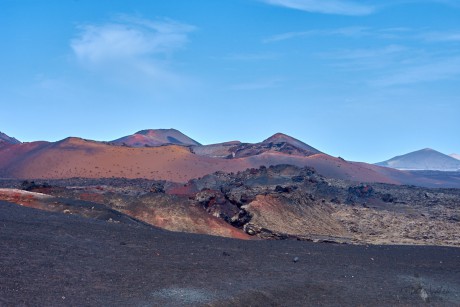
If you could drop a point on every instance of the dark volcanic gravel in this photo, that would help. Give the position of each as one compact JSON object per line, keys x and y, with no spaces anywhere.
{"x":52,"y":259}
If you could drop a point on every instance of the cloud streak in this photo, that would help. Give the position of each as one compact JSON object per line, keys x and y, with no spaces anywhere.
{"x":337,"y":7}
{"x":347,"y":32}
{"x":130,"y":38}
{"x":370,"y":59}
{"x":349,"y":7}
{"x":452,"y":36}
{"x":441,"y":69}
{"x":132,"y":51}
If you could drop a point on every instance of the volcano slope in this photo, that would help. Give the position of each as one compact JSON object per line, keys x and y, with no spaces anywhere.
{"x":277,"y":202}
{"x":75,"y":157}
{"x":53,"y":259}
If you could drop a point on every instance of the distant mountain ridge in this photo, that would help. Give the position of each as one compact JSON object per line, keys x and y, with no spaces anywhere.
{"x":424,"y":159}
{"x":168,"y":154}
{"x":455,"y":156}
{"x":168,"y":157}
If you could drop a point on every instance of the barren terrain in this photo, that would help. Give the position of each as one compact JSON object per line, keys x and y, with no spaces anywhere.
{"x":55,"y":259}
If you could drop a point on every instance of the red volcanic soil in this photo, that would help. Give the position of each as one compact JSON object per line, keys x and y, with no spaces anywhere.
{"x":74,"y":157}
{"x":325,"y":165}
{"x":24,"y":198}
{"x":14,"y":154}
{"x":182,"y":218}
{"x":168,"y":154}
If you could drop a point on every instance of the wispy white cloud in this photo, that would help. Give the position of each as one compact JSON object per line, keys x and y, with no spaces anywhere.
{"x":128,"y":38}
{"x":439,"y":36}
{"x":419,"y":35}
{"x":452,"y":3}
{"x":396,"y":65}
{"x":373,"y":61}
{"x":350,"y":7}
{"x":132,"y":50}
{"x":434,"y":70}
{"x":359,"y":54}
{"x":348,"y":32}
{"x":364,"y":58}
{"x":339,"y":7}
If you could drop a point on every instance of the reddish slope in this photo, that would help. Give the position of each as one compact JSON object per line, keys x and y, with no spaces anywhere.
{"x":75,"y":157}
{"x":325,"y":165}
{"x":14,"y":155}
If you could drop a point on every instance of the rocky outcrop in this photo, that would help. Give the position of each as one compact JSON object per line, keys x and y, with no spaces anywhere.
{"x":278,"y":202}
{"x":278,"y":143}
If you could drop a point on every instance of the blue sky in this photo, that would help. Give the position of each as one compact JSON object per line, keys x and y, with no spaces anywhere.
{"x":365,"y":80}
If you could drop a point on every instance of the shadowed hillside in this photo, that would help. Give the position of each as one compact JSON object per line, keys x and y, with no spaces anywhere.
{"x":7,"y":140}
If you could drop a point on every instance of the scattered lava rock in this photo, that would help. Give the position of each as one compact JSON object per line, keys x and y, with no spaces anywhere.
{"x":32,"y":186}
{"x":388,"y":198}
{"x":158,"y":187}
{"x":358,"y":192}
